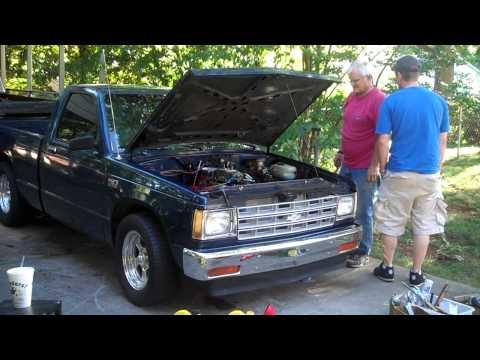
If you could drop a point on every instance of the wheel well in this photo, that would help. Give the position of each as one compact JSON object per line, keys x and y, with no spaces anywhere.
{"x":124,"y":209}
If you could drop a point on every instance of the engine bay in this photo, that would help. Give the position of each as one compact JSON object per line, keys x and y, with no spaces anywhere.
{"x":208,"y":172}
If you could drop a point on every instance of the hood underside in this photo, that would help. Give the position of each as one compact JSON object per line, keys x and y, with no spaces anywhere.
{"x":246,"y":105}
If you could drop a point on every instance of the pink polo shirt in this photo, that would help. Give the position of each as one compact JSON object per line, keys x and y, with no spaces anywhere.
{"x":360,"y":115}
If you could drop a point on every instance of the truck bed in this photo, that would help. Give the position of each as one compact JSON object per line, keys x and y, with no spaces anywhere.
{"x":32,"y":124}
{"x":25,"y":113}
{"x":37,"y":103}
{"x":24,"y":122}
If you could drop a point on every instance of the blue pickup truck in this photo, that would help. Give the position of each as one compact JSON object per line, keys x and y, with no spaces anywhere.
{"x":181,"y":182}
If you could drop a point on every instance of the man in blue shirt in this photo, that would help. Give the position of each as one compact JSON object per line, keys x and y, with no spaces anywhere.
{"x":416,"y":120}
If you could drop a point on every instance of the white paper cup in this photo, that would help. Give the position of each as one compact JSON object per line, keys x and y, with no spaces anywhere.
{"x":21,"y":282}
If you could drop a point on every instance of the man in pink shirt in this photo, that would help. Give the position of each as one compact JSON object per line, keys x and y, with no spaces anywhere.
{"x":356,"y":156}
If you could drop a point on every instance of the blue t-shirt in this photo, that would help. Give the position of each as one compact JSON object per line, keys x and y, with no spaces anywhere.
{"x":415,"y":117}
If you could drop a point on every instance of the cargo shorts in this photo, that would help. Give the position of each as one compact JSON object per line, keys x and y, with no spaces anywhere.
{"x":404,"y":196}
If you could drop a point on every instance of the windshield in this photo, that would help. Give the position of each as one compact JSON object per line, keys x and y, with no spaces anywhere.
{"x":130,"y":112}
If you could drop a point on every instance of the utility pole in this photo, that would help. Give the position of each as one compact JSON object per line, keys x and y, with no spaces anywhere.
{"x":61,"y":63}
{"x":29,"y":68}
{"x":3,"y":66}
{"x":103,"y":75}
{"x":459,"y":140}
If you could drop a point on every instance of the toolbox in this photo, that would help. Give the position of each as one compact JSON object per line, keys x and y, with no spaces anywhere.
{"x":450,"y":307}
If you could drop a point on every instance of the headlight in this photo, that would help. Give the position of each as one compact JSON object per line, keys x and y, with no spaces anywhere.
{"x":346,"y":206}
{"x":213,"y":224}
{"x":217,"y":223}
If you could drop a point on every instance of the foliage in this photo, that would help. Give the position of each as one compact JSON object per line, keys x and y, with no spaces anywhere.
{"x":311,"y":138}
{"x":438,"y":62}
{"x":315,"y":134}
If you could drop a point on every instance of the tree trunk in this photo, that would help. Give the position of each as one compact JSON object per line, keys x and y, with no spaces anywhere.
{"x":316,"y":148}
{"x":443,"y":77}
{"x":444,"y":73}
{"x":307,"y":60}
{"x":83,"y":55}
{"x":306,"y":142}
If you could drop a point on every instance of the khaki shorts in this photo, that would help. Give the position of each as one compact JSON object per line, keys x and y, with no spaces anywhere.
{"x":405,"y":195}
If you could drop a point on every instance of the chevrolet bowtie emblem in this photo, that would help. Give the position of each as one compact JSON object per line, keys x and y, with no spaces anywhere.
{"x":294,"y":217}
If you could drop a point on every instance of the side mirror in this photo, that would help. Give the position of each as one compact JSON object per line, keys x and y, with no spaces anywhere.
{"x":82,"y":143}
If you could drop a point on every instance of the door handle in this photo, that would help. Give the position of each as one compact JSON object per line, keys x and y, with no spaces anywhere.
{"x":52,"y":149}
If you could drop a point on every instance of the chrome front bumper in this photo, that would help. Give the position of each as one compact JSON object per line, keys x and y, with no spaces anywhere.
{"x":254,"y":259}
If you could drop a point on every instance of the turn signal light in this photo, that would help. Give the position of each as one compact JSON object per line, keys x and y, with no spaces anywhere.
{"x":348,"y":246}
{"x":197,"y":224}
{"x":225,"y":270}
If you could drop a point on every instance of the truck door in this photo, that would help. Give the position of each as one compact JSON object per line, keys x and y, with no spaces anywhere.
{"x":73,"y":181}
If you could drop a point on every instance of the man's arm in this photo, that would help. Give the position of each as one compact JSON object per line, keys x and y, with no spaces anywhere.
{"x":338,"y":160}
{"x":373,"y":169}
{"x":443,"y":147}
{"x":444,"y":128}
{"x":383,"y":131}
{"x":381,"y":148}
{"x":375,"y":162}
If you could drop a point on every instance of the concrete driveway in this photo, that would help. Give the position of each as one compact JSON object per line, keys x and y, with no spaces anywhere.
{"x":79,"y":271}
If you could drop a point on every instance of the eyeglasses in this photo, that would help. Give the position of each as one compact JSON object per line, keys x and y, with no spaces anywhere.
{"x":354,"y":81}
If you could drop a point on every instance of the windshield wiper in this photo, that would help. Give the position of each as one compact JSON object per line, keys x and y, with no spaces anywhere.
{"x":230,"y":147}
{"x":145,"y":151}
{"x":170,"y":147}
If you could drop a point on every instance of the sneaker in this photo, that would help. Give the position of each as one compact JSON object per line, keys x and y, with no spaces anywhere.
{"x":416,"y":278}
{"x":357,"y":260}
{"x":385,"y":273}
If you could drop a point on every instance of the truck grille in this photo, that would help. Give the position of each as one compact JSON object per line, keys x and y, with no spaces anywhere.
{"x":286,"y":217}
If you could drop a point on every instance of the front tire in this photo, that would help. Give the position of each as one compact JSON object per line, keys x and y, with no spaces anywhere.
{"x":14,"y":210}
{"x":144,"y":262}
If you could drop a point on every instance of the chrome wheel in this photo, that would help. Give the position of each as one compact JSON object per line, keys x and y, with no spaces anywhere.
{"x":135,"y":260}
{"x":5,"y":194}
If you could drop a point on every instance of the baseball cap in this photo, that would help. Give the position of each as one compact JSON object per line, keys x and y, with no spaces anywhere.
{"x":407,"y":64}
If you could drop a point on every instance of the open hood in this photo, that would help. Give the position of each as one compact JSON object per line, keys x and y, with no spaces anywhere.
{"x":240,"y":105}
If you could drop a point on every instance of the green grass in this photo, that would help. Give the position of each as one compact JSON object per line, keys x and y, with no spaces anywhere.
{"x":456,"y":256}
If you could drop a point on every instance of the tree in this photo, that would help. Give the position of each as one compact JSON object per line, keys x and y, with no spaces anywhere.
{"x":439,"y":62}
{"x":315,"y":134}
{"x":313,"y":137}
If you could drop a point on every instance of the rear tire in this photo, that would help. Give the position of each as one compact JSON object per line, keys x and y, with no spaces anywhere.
{"x":145,"y":266}
{"x":14,"y":210}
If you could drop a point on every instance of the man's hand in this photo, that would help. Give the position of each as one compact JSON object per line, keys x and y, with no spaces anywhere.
{"x":383,"y":172}
{"x":373,"y":173}
{"x":338,"y":160}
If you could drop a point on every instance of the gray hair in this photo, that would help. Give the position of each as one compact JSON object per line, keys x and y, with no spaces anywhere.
{"x":362,"y":67}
